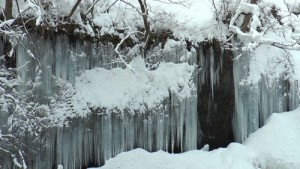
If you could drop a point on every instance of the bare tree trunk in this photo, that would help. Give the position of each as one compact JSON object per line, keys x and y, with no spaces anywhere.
{"x":144,"y":10}
{"x":8,"y":9}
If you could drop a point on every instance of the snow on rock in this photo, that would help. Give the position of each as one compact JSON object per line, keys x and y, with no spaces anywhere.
{"x":124,"y":89}
{"x":119,"y":88}
{"x":276,"y":146}
{"x":273,"y":63}
{"x":269,"y":61}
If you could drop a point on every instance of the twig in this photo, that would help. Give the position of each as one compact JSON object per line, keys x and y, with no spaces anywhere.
{"x":73,"y":9}
{"x":134,"y":7}
{"x":111,"y":6}
{"x":120,"y":55}
{"x":91,"y":7}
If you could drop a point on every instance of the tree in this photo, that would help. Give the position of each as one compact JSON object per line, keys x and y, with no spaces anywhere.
{"x":8,"y":9}
{"x":258,"y":19}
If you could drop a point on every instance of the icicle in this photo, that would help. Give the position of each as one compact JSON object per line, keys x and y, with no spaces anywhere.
{"x":172,"y":126}
{"x":255,"y":101}
{"x":212,"y":72}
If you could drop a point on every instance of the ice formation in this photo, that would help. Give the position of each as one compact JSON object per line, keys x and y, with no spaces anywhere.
{"x":80,"y":106}
{"x":264,"y":83}
{"x":91,"y":114}
{"x":154,"y":110}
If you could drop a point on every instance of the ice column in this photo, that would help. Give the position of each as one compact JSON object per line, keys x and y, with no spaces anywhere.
{"x":255,"y":101}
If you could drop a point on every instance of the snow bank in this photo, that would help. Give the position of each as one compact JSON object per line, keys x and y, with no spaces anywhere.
{"x":234,"y":157}
{"x":223,"y":158}
{"x":273,"y":146}
{"x":278,"y":140}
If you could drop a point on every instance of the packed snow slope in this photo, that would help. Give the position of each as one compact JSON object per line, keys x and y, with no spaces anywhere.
{"x":274,"y":146}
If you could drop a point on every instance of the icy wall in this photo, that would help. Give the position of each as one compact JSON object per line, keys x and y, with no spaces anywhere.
{"x":258,"y":94}
{"x":226,"y":107}
{"x":76,"y":139}
{"x":92,"y":140}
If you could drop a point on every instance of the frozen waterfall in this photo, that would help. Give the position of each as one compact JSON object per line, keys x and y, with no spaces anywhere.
{"x":73,"y":117}
{"x":258,"y":94}
{"x":80,"y":134}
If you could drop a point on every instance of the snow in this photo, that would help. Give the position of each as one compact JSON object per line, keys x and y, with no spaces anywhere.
{"x":233,"y":157}
{"x":119,"y":88}
{"x":279,"y":4}
{"x":271,"y":45}
{"x":124,"y":89}
{"x":278,"y":141}
{"x":195,"y":21}
{"x":266,"y":61}
{"x":273,"y":63}
{"x":273,"y":146}
{"x":60,"y":166}
{"x":192,"y":19}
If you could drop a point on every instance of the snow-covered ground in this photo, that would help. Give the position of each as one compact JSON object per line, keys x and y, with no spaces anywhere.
{"x":274,"y":146}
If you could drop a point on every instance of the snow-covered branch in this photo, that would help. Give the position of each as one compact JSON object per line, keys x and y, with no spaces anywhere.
{"x":4,"y":138}
{"x":184,"y":3}
{"x":260,"y":21}
{"x":133,"y":6}
{"x":118,"y":48}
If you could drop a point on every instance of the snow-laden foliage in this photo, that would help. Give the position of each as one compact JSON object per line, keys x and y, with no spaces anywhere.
{"x":190,"y":19}
{"x":270,"y":23}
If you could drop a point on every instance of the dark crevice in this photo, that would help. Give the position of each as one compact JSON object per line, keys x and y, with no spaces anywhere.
{"x":215,"y":106}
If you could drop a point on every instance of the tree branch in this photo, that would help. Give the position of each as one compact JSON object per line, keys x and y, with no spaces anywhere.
{"x":119,"y":54}
{"x":134,"y":7}
{"x":73,"y":9}
{"x":91,"y":7}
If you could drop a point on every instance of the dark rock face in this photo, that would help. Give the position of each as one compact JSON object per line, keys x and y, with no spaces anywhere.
{"x":215,"y":95}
